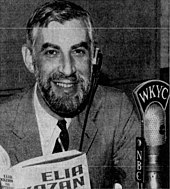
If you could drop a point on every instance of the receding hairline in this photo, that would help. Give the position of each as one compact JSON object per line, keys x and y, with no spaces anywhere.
{"x":82,"y":21}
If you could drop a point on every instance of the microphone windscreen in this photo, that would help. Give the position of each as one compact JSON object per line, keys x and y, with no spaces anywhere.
{"x":154,"y":125}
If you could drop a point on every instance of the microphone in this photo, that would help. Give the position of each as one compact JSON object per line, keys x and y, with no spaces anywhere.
{"x":155,"y":139}
{"x":151,"y":98}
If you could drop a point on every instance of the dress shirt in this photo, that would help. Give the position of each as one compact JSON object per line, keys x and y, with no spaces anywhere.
{"x":47,"y":125}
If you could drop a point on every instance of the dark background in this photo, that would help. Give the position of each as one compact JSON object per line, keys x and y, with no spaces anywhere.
{"x":127,"y":31}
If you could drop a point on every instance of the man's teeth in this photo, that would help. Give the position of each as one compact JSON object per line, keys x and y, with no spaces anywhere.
{"x":65,"y":85}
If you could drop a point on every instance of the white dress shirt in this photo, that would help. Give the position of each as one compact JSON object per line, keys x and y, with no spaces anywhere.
{"x":47,"y":125}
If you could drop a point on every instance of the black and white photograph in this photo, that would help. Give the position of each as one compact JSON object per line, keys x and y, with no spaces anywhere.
{"x":84,"y":94}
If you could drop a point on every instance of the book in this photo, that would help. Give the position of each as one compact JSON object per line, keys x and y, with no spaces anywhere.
{"x":65,"y":170}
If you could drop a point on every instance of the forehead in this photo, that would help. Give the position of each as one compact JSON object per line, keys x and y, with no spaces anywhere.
{"x":70,"y":33}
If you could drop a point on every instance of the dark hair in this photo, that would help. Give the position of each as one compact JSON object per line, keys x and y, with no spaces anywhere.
{"x":60,"y":11}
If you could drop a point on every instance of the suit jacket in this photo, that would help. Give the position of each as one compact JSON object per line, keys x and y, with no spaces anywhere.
{"x":109,"y":140}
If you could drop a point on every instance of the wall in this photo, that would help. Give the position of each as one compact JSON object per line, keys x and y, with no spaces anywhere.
{"x":165,"y":34}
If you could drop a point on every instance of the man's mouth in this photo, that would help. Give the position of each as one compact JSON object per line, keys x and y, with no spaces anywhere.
{"x":64,"y":85}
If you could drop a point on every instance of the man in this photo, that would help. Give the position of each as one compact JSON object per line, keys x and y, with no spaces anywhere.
{"x":59,"y":52}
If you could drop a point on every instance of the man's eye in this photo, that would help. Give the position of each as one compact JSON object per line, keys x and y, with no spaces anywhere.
{"x":79,"y":52}
{"x":51,"y":53}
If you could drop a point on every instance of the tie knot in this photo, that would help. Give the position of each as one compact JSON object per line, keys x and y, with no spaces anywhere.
{"x":62,"y":124}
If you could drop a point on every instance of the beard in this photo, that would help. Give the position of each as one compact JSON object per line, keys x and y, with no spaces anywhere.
{"x":61,"y":103}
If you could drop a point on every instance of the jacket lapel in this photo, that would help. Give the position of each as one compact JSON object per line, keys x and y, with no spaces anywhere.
{"x":76,"y":129}
{"x":26,"y":129}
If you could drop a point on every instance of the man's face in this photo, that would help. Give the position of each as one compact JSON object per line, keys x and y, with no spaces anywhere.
{"x":62,"y":66}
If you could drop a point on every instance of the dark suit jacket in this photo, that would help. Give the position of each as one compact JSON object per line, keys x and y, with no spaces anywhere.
{"x":109,"y":138}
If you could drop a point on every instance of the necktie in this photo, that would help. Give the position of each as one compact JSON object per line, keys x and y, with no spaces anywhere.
{"x":63,"y":136}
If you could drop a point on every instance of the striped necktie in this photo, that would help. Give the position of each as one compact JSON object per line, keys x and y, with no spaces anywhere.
{"x":62,"y":142}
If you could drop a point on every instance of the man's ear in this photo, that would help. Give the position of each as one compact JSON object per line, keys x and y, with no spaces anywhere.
{"x":27,"y":57}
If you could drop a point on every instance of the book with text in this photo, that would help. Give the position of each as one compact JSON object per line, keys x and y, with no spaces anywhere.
{"x":65,"y":170}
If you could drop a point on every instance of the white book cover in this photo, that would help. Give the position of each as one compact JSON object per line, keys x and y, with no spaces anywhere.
{"x":65,"y":170}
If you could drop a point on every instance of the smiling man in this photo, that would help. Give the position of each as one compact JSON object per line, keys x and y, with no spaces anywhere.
{"x":60,"y":58}
{"x":59,"y":52}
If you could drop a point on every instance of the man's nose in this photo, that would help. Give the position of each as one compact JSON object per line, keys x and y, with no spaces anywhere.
{"x":67,"y":66}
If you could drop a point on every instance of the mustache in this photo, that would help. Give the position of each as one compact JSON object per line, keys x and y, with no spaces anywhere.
{"x":60,"y":76}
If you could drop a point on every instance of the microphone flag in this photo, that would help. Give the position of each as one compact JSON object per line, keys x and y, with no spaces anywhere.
{"x":149,"y":92}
